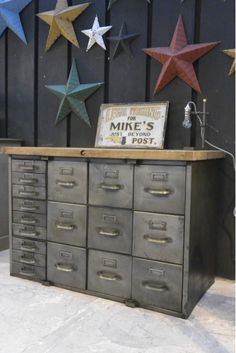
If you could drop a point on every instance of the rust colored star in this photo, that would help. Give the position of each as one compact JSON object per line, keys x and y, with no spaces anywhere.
{"x":178,"y":59}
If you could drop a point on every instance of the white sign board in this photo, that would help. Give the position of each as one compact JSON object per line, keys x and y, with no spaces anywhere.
{"x":138,"y":125}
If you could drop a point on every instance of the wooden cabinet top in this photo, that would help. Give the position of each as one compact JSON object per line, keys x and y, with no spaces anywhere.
{"x":142,"y":154}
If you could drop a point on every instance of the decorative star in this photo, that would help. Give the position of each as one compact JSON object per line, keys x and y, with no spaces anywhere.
{"x":178,"y":59}
{"x":231,"y":53}
{"x":60,"y":21}
{"x":123,"y":41}
{"x":95,"y":34}
{"x":112,"y":2}
{"x":73,"y":96}
{"x":10,"y":16}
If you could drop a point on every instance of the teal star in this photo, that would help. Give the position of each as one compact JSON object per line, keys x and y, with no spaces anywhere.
{"x":73,"y":96}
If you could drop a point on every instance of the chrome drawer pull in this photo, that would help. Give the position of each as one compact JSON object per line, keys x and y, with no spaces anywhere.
{"x":28,"y":181}
{"x":24,"y":208}
{"x":28,"y":234}
{"x":160,"y":241}
{"x":24,"y":272}
{"x":111,"y":187}
{"x":66,"y":184}
{"x":27,"y":248}
{"x":111,"y":234}
{"x":24,"y":260}
{"x":65,"y":227}
{"x":29,"y":168}
{"x":108,"y":276}
{"x":158,"y":192}
{"x":28,"y":220}
{"x":28,"y":193}
{"x":64,"y":268}
{"x":155,"y":286}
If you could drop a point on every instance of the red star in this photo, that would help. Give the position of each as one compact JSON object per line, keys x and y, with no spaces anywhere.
{"x":178,"y":59}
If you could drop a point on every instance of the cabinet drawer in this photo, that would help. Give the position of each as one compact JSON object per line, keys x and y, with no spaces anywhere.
{"x":28,"y":258}
{"x":38,"y":247}
{"x":66,"y":265}
{"x":158,"y":237}
{"x":67,"y":223}
{"x":29,"y":231}
{"x":67,"y":181}
{"x":110,"y":229}
{"x":160,"y":189}
{"x":31,"y":219}
{"x":111,"y":185}
{"x":28,"y":166}
{"x":29,"y":206}
{"x":28,"y":271}
{"x":157,"y":284}
{"x":31,"y":179}
{"x":29,"y":192}
{"x":109,"y":273}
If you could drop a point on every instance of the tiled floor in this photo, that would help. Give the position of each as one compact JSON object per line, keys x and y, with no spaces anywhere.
{"x":38,"y":319}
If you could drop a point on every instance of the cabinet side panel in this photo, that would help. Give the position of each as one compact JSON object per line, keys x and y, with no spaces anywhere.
{"x":201,"y":215}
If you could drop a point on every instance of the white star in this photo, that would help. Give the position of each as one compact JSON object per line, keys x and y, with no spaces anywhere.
{"x":95,"y":34}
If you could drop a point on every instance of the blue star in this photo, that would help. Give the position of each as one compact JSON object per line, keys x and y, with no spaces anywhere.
{"x":10,"y":16}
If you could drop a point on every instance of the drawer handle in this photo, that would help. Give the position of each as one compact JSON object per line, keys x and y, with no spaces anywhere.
{"x":160,"y":241}
{"x":24,"y":208}
{"x":26,"y":220}
{"x":28,"y":181}
{"x":27,"y":248}
{"x":24,"y":272}
{"x":29,"y":168}
{"x":155,"y":286}
{"x":28,"y":234}
{"x":66,"y":227}
{"x":66,"y":184}
{"x":24,"y":260}
{"x":158,"y":192}
{"x":28,"y":193}
{"x":64,"y":268}
{"x":113,"y":233}
{"x":111,"y":187}
{"x":108,"y":276}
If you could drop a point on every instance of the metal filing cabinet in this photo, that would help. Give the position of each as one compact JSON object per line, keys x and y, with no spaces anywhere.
{"x":132,"y":231}
{"x":29,"y":219}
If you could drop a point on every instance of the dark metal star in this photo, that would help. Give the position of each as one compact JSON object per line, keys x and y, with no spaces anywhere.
{"x":123,"y":41}
{"x":112,"y":2}
{"x":178,"y":59}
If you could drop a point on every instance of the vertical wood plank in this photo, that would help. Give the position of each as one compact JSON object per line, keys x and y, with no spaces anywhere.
{"x":52,"y":70}
{"x":219,"y":89}
{"x":178,"y":93}
{"x":21,"y":80}
{"x":91,"y":66}
{"x":127,"y":75}
{"x":3,"y":85}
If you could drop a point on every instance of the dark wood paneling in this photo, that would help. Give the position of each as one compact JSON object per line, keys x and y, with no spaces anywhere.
{"x":219,"y":89}
{"x":91,"y":67}
{"x":21,"y":80}
{"x":165,"y":17}
{"x":127,"y":75}
{"x":52,"y":70}
{"x":2,"y":86}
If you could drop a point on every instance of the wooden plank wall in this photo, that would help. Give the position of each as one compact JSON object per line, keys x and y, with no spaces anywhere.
{"x":28,"y":109}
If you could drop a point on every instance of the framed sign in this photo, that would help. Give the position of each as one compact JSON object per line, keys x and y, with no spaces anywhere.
{"x":136,"y":125}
